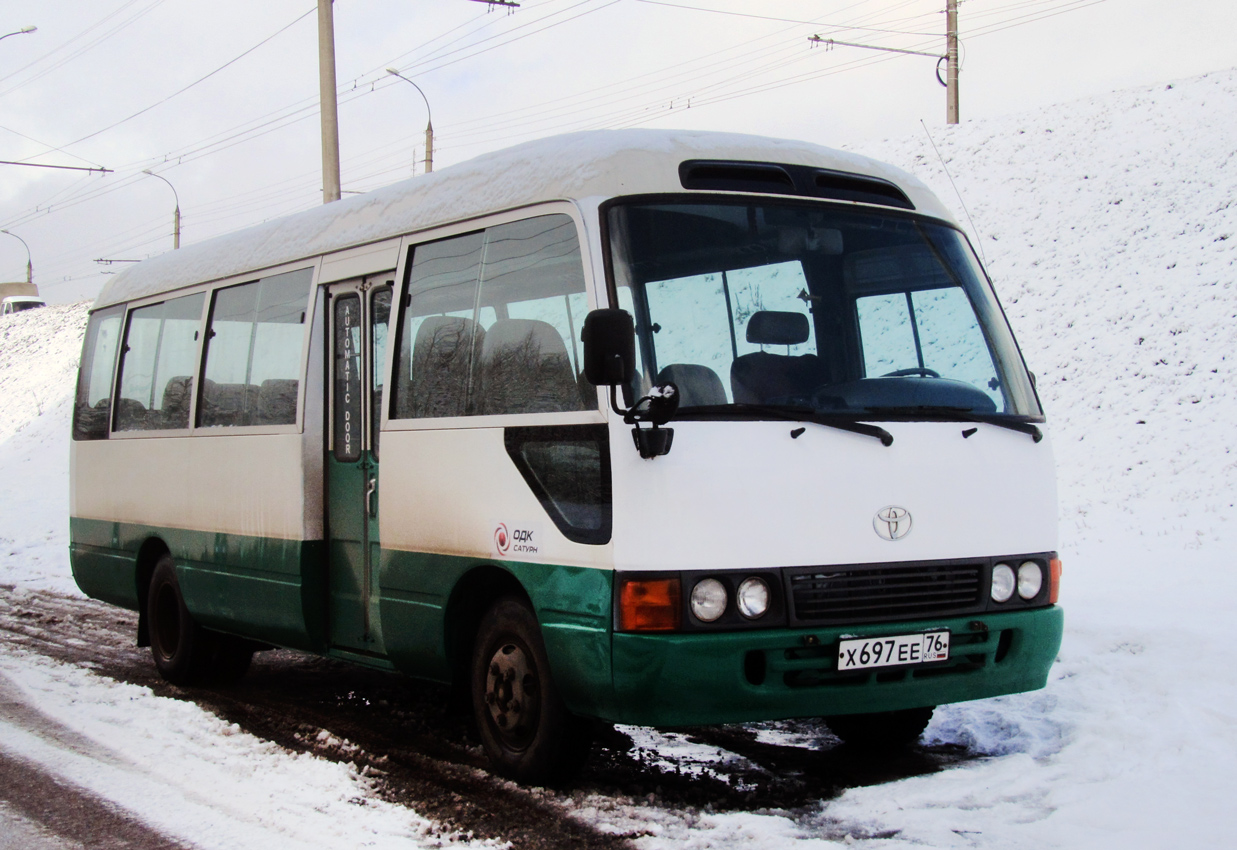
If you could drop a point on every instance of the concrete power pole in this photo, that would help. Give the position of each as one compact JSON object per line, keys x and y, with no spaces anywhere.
{"x":951,"y":56}
{"x":329,"y":105}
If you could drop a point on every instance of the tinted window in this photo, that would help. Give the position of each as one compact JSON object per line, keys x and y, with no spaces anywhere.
{"x":253,"y":353}
{"x":492,"y":322}
{"x":568,"y":469}
{"x":157,"y":365}
{"x":94,"y":381}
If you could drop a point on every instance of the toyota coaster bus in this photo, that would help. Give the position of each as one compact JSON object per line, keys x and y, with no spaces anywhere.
{"x":646,"y":427}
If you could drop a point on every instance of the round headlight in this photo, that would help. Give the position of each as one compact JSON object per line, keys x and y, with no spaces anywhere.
{"x":708,"y":600}
{"x":1003,"y":582}
{"x":753,"y":598}
{"x":1030,"y":580}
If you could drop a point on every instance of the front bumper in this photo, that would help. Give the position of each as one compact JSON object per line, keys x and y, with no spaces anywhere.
{"x":753,"y":675}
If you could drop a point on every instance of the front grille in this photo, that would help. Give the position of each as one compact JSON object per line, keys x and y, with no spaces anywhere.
{"x":896,"y":592}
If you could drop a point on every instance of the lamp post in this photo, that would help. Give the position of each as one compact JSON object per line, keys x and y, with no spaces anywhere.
{"x":22,"y":31}
{"x":29,"y":262}
{"x":429,"y":121}
{"x":176,"y":215}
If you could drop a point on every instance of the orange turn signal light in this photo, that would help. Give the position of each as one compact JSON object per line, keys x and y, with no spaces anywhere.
{"x":1054,"y":580}
{"x":649,"y":605}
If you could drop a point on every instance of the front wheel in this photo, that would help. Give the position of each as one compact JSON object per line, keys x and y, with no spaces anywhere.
{"x":525,"y":728}
{"x":886,"y":730}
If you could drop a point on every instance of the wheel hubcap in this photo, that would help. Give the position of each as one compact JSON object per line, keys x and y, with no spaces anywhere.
{"x":512,"y":695}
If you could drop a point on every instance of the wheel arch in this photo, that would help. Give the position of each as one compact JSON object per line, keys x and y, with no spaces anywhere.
{"x":472,"y":595}
{"x":152,"y":549}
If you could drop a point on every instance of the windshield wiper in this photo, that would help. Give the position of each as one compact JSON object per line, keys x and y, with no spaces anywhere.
{"x":964,"y":414}
{"x":843,"y":422}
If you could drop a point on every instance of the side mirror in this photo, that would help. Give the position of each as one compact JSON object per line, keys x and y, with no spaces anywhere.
{"x":609,"y":347}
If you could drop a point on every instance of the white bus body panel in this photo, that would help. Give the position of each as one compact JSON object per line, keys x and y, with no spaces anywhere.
{"x":734,"y":495}
{"x":251,"y":485}
{"x":446,"y":491}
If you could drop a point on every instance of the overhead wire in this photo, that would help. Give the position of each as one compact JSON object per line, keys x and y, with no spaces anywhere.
{"x":81,"y":50}
{"x":196,"y":82}
{"x":629,"y":117}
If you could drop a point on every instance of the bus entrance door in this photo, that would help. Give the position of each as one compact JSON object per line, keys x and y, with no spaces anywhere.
{"x":360,"y":314}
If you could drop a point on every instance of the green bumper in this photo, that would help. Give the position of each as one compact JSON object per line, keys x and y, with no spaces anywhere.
{"x":736,"y":677}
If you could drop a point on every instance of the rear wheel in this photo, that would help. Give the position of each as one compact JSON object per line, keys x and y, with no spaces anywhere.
{"x":184,"y":652}
{"x":181,"y":648}
{"x":886,"y":730}
{"x":525,"y":728}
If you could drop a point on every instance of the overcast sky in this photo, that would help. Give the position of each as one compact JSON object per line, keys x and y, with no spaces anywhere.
{"x":220,"y":97}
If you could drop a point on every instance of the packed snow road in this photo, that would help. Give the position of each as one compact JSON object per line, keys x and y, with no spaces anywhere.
{"x":411,"y":739}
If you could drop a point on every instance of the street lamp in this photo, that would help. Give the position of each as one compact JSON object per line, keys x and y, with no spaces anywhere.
{"x":429,"y":121}
{"x":29,"y":262}
{"x":21,"y":31}
{"x":176,"y":215}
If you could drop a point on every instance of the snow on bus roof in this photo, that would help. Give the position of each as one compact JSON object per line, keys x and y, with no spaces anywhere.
{"x":600,"y":163}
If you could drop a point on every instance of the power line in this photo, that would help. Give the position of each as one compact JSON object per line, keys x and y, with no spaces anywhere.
{"x":770,"y":18}
{"x":81,"y":50}
{"x":202,"y":79}
{"x":711,"y":87}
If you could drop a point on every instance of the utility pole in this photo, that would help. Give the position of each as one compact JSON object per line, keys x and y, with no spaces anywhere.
{"x":951,"y":57}
{"x":329,"y":104}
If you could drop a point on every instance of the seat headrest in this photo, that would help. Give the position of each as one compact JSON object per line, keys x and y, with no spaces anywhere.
{"x":776,"y":327}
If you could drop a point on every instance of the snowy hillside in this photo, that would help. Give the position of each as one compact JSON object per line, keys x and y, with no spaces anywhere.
{"x":1110,"y":229}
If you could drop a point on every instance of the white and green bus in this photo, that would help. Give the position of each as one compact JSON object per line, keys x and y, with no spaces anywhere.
{"x":643,"y":427}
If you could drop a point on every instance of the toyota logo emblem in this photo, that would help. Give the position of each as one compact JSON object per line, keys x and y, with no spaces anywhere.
{"x":892,"y":522}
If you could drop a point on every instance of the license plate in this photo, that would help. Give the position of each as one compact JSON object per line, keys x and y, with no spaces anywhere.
{"x":893,"y":650}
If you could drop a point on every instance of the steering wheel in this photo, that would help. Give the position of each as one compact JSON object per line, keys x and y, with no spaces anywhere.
{"x":914,"y":370}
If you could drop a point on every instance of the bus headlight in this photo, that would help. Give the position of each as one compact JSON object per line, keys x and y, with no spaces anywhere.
{"x":1003,"y":582}
{"x":1030,"y":580}
{"x":752,"y":598}
{"x":708,"y":600}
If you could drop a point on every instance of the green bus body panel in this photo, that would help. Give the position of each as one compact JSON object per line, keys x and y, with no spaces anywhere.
{"x":263,"y":588}
{"x":276,"y":591}
{"x":572,"y":606}
{"x":696,"y":679}
{"x":345,"y":568}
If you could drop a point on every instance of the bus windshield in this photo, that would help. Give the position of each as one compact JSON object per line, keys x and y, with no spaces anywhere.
{"x":760,"y":305}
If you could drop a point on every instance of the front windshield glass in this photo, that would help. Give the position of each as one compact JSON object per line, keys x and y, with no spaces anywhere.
{"x":807,"y":306}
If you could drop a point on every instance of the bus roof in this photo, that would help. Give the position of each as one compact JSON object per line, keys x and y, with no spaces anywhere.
{"x":593,"y":164}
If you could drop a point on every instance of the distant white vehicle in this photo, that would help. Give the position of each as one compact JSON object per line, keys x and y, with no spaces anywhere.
{"x":17,"y":303}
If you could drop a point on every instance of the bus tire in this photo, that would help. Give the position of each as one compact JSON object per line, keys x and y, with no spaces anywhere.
{"x":886,"y":730}
{"x":526,"y":730}
{"x":182,"y":650}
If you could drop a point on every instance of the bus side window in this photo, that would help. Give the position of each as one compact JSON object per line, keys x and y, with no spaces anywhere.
{"x":94,"y":382}
{"x":157,"y":365}
{"x":532,"y":268}
{"x":253,"y":352}
{"x":439,"y":338}
{"x":492,"y":322}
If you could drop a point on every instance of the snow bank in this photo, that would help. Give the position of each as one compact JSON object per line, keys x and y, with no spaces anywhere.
{"x":190,"y":774}
{"x":1110,"y":229}
{"x":39,"y":352}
